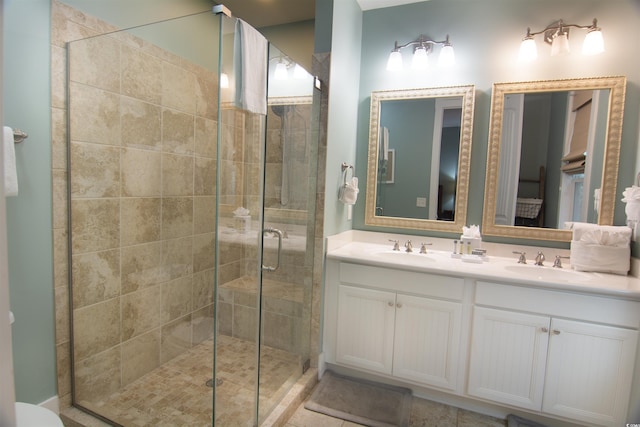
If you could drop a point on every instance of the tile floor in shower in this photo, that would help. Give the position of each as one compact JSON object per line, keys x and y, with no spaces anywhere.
{"x":176,"y":394}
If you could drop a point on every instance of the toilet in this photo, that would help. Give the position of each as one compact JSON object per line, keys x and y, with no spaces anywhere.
{"x":28,"y":415}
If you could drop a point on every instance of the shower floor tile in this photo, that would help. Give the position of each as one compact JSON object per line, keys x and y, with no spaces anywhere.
{"x":176,"y":394}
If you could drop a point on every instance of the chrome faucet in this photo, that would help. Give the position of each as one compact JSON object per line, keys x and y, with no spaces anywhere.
{"x":423,"y":247}
{"x":522,"y":259}
{"x":558,"y":263}
{"x":409,"y":246}
{"x":396,"y":246}
{"x":539,"y":259}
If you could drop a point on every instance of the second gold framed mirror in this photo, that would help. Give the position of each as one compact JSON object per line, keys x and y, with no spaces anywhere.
{"x":553,"y":155}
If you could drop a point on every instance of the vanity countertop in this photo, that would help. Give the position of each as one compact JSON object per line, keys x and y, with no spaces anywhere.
{"x":500,"y":265}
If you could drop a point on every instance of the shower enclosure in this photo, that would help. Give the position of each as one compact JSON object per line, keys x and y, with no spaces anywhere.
{"x":191,"y":227}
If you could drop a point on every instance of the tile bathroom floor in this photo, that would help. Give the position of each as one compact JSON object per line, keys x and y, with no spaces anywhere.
{"x":424,"y":413}
{"x":175,"y":394}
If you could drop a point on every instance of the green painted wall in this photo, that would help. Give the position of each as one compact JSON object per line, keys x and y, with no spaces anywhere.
{"x":26,"y":44}
{"x":296,"y":39}
{"x":343,"y":110}
{"x":486,"y":36}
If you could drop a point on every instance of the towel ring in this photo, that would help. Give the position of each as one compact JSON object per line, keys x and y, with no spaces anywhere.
{"x":345,"y":166}
{"x":345,"y":169}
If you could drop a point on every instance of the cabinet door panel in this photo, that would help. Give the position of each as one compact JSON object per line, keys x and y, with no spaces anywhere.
{"x":508,"y":356}
{"x":427,"y":340}
{"x":365,"y":328}
{"x":588,"y":371}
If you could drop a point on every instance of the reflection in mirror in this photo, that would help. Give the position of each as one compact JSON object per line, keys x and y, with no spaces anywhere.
{"x":553,"y":156}
{"x":419,"y":147}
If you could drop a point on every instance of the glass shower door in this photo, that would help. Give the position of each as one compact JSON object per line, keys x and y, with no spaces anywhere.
{"x":265,"y":238}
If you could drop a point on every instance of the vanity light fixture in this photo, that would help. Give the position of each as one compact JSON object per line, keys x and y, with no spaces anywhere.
{"x":557,"y":35}
{"x":281,"y":72}
{"x":282,"y":69}
{"x":422,"y":47}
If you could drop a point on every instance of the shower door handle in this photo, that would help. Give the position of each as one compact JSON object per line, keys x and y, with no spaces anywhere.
{"x":279,"y":233}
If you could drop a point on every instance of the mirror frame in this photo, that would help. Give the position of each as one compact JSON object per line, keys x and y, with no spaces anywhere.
{"x":617,"y":86}
{"x":464,"y":158}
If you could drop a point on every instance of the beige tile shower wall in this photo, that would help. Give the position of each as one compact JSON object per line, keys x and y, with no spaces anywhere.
{"x":290,"y":140}
{"x":143,"y":184}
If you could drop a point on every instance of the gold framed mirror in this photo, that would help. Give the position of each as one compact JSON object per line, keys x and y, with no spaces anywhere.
{"x":419,"y":158}
{"x":553,"y":154}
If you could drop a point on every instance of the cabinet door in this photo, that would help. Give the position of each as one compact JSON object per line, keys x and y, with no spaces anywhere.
{"x":508,"y":356}
{"x":365,"y":328}
{"x":589,"y":372}
{"x":427,"y":340}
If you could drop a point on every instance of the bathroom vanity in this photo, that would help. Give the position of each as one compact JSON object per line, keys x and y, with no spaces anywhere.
{"x":531,"y":339}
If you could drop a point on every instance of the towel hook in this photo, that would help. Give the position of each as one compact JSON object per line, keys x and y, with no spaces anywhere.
{"x":345,"y":166}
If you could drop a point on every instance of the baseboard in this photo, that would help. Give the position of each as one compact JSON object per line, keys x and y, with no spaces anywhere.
{"x":322,"y":365}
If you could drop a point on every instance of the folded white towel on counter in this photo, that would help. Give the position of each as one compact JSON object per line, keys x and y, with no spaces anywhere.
{"x":599,"y":258}
{"x":604,"y":235}
{"x":631,"y":193}
{"x":601,"y":248}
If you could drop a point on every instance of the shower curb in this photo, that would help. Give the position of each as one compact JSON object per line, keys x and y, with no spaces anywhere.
{"x":292,"y":400}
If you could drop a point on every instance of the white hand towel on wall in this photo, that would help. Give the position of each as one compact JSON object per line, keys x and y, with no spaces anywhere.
{"x":250,"y":55}
{"x":10,"y":172}
{"x":348,"y":193}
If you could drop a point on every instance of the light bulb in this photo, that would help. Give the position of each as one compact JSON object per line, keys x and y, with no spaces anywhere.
{"x":560,"y":45}
{"x":420,"y":59}
{"x":281,"y":72}
{"x":395,"y":61}
{"x":593,"y":43}
{"x":224,"y":80}
{"x":447,"y":56}
{"x":528,"y":50}
{"x":299,"y":72}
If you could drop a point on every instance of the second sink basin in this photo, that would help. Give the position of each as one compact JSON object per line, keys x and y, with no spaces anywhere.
{"x":548,"y":273}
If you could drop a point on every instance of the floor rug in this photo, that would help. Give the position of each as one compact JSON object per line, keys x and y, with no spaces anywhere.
{"x":515,"y":421}
{"x":360,"y":401}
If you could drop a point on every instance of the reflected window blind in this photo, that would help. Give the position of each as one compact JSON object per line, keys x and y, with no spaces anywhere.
{"x":575,"y":159}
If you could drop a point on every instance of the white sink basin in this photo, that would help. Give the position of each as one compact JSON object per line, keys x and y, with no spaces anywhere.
{"x":548,"y":273}
{"x":399,"y":256}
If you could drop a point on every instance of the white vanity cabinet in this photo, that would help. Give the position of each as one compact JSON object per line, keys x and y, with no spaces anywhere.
{"x":365,"y":328}
{"x":398,"y":323}
{"x":563,"y":354}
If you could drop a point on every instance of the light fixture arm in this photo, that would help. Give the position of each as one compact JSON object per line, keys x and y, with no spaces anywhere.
{"x":422,"y":46}
{"x":560,"y":27}
{"x":421,"y":41}
{"x":284,"y":60}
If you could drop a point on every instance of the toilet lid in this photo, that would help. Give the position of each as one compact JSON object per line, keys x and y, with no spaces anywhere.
{"x":28,"y":415}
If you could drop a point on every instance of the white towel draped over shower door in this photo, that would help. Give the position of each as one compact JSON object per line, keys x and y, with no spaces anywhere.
{"x":250,"y":56}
